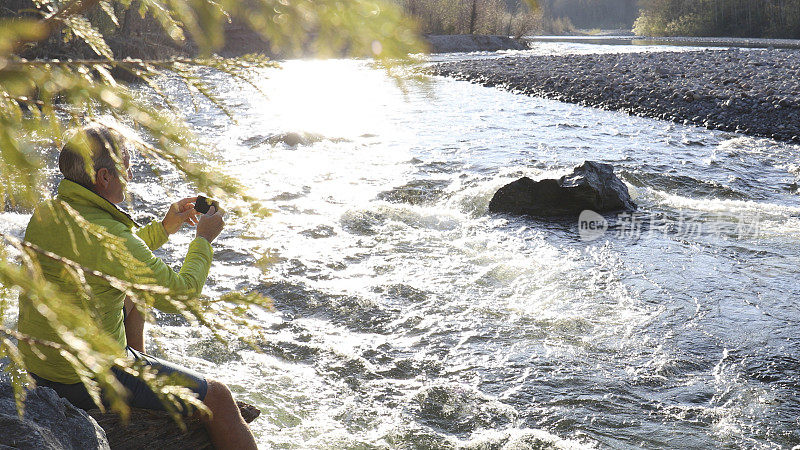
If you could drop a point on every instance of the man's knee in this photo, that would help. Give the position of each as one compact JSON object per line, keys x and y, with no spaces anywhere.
{"x":217,"y":395}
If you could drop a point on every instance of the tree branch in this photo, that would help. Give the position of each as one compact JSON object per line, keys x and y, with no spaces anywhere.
{"x":55,"y":21}
{"x":28,"y":339}
{"x":113,"y":281}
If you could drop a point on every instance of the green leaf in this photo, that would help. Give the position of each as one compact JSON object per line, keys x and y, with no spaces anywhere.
{"x":84,"y":29}
{"x":165,"y":18}
{"x":108,"y":8}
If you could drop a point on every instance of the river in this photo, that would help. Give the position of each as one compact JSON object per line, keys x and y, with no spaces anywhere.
{"x":407,"y":316}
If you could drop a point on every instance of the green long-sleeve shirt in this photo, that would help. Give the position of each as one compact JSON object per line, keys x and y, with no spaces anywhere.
{"x":80,"y":238}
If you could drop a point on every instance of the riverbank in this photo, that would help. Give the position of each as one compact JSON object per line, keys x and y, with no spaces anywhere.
{"x":752,"y":92}
{"x":452,"y":43}
{"x":626,"y":38}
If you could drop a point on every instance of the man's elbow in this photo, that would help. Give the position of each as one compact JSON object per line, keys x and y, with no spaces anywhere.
{"x":197,"y":288}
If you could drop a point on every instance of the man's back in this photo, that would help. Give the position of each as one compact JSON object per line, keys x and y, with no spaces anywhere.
{"x":83,"y":227}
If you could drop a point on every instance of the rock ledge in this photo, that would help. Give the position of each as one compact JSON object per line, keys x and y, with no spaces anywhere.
{"x":52,"y":422}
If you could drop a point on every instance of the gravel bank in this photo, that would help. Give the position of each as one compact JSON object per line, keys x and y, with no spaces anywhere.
{"x":672,"y":40}
{"x":753,"y":92}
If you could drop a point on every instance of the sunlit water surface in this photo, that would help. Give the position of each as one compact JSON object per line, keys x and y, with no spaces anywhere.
{"x":407,"y":316}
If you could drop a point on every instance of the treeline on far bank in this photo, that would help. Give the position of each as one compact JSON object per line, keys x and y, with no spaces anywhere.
{"x":587,"y":14}
{"x":734,"y":18}
{"x":517,"y":17}
{"x":503,"y":17}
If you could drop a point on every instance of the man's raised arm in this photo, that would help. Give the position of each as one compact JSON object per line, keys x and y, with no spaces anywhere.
{"x":192,"y":276}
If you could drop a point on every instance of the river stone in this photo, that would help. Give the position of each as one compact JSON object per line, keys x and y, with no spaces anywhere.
{"x":49,"y":422}
{"x":591,"y":185}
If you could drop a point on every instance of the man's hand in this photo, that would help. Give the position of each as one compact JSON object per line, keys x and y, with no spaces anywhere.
{"x":210,"y":224}
{"x":180,"y":212}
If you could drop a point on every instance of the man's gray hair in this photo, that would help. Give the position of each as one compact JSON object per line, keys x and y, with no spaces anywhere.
{"x":106,"y":146}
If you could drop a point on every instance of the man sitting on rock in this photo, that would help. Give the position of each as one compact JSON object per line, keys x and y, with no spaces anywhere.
{"x":94,"y":199}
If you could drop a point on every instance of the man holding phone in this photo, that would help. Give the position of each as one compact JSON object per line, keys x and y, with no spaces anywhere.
{"x":53,"y":227}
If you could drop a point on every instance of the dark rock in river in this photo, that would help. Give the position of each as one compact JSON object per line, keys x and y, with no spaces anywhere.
{"x":591,"y":185}
{"x":49,"y":422}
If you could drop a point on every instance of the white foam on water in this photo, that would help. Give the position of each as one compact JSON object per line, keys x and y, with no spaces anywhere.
{"x":521,"y":439}
{"x":729,"y":207}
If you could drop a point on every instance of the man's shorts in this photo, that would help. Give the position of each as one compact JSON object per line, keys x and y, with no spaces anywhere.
{"x":141,"y":396}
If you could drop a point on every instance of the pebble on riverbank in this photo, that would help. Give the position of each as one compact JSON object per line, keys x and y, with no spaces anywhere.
{"x":752,"y":92}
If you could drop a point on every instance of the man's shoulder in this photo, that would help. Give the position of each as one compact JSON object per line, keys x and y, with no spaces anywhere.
{"x":55,"y":219}
{"x":46,"y":218}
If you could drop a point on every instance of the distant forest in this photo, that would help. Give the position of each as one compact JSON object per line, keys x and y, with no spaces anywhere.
{"x":505,"y":17}
{"x":738,"y":18}
{"x":515,"y":17}
{"x":590,"y":14}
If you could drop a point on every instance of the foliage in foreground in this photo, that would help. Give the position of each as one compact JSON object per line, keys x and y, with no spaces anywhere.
{"x":41,"y":99}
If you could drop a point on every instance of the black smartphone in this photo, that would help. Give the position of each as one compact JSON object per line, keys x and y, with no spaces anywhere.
{"x":202,"y":204}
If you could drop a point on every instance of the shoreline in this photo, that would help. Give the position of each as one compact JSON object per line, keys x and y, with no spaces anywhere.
{"x":683,"y":41}
{"x":753,"y":92}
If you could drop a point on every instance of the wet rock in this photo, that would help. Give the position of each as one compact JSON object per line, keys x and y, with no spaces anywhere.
{"x":289,"y":196}
{"x":320,"y":232}
{"x":591,"y":185}
{"x":289,"y":350}
{"x":419,"y":438}
{"x":291,"y":139}
{"x":361,"y":223}
{"x":351,"y":311}
{"x":417,"y":192}
{"x":214,"y":350}
{"x":49,"y":422}
{"x":456,"y":409}
{"x":403,"y":369}
{"x":155,"y":429}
